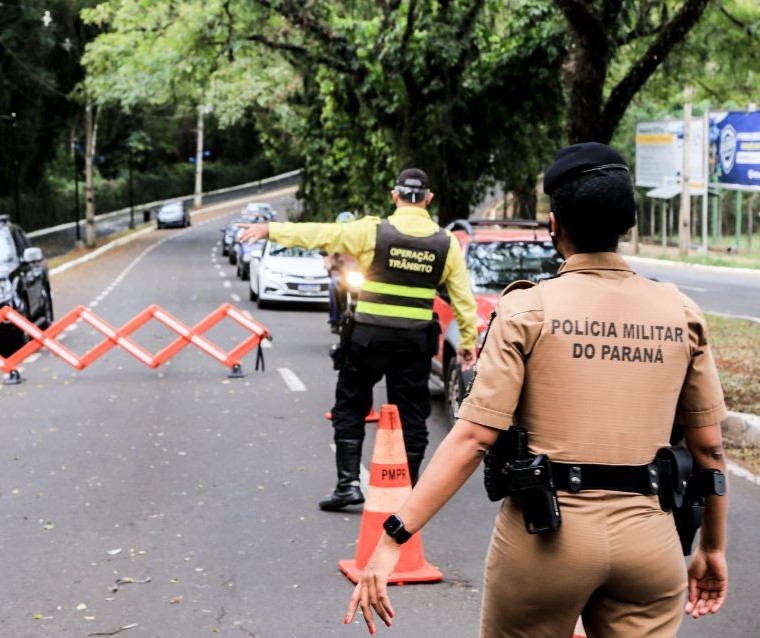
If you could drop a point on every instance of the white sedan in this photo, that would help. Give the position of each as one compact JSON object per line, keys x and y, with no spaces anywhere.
{"x":288,"y":274}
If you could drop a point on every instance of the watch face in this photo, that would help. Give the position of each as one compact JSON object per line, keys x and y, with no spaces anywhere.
{"x":392,"y":525}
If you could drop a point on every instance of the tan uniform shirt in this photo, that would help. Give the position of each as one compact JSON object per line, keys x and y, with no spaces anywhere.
{"x":597,"y":364}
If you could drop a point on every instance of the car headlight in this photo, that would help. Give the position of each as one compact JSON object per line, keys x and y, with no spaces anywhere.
{"x":6,"y":289}
{"x":273,"y":274}
{"x":354,"y":279}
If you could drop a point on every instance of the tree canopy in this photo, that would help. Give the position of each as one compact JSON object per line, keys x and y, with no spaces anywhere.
{"x":476,"y":92}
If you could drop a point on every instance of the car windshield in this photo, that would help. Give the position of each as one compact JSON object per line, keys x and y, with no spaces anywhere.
{"x":7,"y":249}
{"x":275,"y":250}
{"x":494,"y":265}
{"x":171,"y":208}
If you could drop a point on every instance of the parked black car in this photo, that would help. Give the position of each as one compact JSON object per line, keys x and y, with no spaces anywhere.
{"x":24,"y":284}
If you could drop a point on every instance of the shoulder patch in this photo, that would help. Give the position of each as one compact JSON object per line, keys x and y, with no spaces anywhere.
{"x":520,"y":284}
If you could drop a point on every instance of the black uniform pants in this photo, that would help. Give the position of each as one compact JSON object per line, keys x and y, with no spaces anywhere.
{"x":403,"y":357}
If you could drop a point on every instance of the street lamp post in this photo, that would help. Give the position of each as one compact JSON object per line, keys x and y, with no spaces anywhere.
{"x":16,"y":173}
{"x":131,"y":192}
{"x":76,"y":191}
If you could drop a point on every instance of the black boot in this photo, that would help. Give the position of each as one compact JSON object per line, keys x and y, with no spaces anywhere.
{"x":414,"y":460}
{"x":348,"y":456}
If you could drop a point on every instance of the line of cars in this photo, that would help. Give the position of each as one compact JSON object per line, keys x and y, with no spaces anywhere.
{"x":24,"y":284}
{"x":274,"y":273}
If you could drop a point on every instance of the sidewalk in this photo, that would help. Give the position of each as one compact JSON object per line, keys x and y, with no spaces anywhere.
{"x":748,"y":262}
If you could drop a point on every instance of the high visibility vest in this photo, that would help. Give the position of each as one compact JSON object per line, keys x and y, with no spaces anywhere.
{"x":399,"y":287}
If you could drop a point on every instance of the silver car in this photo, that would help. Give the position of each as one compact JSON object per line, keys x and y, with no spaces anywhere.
{"x":172,"y":214}
{"x":280,"y":274}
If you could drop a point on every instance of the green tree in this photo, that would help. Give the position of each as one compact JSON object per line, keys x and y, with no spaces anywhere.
{"x":469,"y":91}
{"x":616,"y":47}
{"x":39,"y":66}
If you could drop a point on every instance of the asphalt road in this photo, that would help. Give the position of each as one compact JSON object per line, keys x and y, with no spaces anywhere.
{"x":727,"y":291}
{"x":180,"y":503}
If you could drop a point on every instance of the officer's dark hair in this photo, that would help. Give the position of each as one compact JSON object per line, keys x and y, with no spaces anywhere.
{"x":595,"y":209}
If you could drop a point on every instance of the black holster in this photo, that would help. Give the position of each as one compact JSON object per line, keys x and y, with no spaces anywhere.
{"x":683,"y":489}
{"x":339,"y":352}
{"x":510,"y":470}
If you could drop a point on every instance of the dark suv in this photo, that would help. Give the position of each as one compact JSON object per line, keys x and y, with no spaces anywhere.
{"x":24,"y":284}
{"x":497,"y":252}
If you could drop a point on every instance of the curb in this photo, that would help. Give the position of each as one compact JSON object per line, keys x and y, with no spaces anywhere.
{"x":740,"y":428}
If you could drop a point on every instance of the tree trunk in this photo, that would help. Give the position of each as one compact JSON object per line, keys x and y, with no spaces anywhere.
{"x":596,"y":29}
{"x":90,"y":140}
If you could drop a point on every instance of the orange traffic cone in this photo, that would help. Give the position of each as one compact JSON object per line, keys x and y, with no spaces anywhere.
{"x":389,"y":485}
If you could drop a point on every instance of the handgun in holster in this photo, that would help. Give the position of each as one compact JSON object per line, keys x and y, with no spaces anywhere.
{"x":511,"y":470}
{"x":683,"y":489}
{"x":339,"y":351}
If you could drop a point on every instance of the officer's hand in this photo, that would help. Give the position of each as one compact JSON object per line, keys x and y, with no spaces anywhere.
{"x":708,"y":583}
{"x":254,"y":232}
{"x":466,"y":358}
{"x":371,"y":592}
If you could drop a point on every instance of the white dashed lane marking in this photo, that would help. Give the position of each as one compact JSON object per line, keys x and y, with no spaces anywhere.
{"x":291,"y":380}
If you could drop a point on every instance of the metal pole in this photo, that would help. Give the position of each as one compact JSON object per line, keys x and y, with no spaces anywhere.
{"x":706,"y":175}
{"x":131,"y":193}
{"x":739,"y":195}
{"x":78,"y":234}
{"x":198,"y":198}
{"x":15,"y":163}
{"x":684,"y":225}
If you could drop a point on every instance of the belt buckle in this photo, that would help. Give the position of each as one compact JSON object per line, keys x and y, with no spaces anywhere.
{"x":575,"y":478}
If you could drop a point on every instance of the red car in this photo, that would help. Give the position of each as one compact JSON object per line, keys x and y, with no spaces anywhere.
{"x":497,"y":252}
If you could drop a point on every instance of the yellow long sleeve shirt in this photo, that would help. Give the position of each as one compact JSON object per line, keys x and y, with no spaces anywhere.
{"x":358,"y":239}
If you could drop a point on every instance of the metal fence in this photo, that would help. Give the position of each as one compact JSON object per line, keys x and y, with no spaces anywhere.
{"x":58,"y":240}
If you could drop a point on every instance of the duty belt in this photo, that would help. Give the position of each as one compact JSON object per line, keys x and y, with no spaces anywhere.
{"x":574,"y":477}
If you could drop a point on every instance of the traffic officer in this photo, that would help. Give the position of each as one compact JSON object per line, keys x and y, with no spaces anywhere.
{"x":595,"y":364}
{"x":404,"y":258}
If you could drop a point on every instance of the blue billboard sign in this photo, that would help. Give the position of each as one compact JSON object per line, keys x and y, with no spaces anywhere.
{"x":735,"y":149}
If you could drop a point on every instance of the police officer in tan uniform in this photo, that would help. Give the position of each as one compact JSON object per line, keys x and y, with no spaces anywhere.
{"x":596,"y":364}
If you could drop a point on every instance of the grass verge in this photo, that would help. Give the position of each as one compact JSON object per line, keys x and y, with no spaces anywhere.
{"x":736,"y":348}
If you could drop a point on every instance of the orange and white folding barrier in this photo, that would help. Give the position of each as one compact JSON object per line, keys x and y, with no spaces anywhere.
{"x":389,"y":485}
{"x":120,"y":337}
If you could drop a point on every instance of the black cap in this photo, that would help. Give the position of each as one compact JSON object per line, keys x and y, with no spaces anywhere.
{"x":413,"y":178}
{"x":412,"y":185}
{"x":577,"y":159}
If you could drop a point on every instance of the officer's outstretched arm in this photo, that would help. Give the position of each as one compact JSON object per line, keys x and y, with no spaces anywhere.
{"x":708,"y":572}
{"x":456,"y":458}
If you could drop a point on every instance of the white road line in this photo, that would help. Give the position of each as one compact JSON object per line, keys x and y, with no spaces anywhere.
{"x":235,"y":297}
{"x":737,"y":470}
{"x":291,"y":380}
{"x":227,"y":284}
{"x":692,"y":288}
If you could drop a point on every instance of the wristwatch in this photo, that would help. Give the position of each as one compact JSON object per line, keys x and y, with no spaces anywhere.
{"x":394,"y":527}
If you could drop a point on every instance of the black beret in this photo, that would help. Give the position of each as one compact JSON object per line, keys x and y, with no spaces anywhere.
{"x":581,"y":158}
